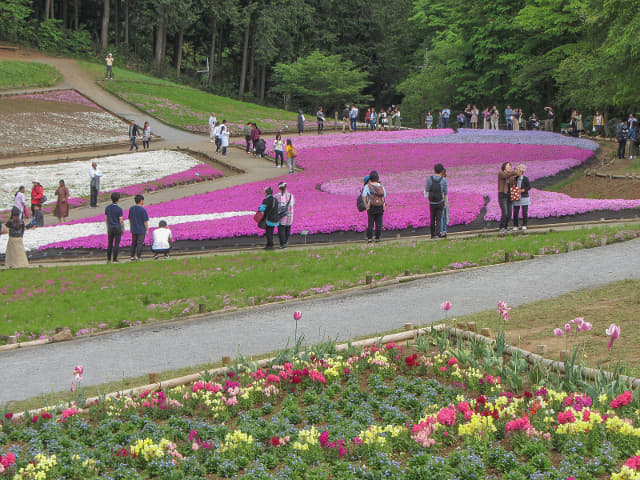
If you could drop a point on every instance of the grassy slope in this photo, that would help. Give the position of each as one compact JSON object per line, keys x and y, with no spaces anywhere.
{"x":73,"y":296}
{"x":183,"y":106}
{"x":14,"y":74}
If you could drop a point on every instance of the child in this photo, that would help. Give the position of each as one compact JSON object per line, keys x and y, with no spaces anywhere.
{"x":292,"y":153}
{"x":161,"y":240}
{"x":146,"y":135}
{"x":278,"y":145}
{"x":38,"y":217}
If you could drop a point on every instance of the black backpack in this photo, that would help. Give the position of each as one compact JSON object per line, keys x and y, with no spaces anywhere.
{"x":360,"y":203}
{"x":435,"y":193}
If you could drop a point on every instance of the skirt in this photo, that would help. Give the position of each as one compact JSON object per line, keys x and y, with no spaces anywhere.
{"x":62,"y":209}
{"x":15,"y":256}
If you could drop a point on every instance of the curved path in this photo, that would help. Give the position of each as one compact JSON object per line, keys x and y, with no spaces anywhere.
{"x":156,"y":348}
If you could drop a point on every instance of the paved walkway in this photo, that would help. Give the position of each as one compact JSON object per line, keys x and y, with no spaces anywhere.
{"x":156,"y":348}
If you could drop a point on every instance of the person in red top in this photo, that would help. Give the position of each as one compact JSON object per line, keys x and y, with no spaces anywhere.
{"x":37,"y":192}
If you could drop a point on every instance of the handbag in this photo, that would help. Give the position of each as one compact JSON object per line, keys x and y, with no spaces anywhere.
{"x":258,"y":217}
{"x":514,"y":193}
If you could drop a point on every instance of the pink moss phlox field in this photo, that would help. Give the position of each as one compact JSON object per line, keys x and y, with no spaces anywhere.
{"x":332,"y":178}
{"x":199,"y":173}
{"x":60,"y":96}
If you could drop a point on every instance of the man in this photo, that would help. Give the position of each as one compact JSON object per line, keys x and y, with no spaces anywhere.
{"x":161,"y":240}
{"x":507,"y":116}
{"x":133,"y":133}
{"x":353,"y":118}
{"x":94,"y":175}
{"x":446,"y":113}
{"x":548,"y":123}
{"x":115,"y":226}
{"x":212,"y":125}
{"x":247,"y":136}
{"x":138,"y":219}
{"x":37,"y":194}
{"x":286,"y":202}
{"x":109,"y":73}
{"x":374,"y":195}
{"x":436,"y":191}
{"x":622,"y":135}
{"x":320,"y":119}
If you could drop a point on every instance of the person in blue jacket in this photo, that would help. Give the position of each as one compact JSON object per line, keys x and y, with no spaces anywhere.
{"x":269,"y":207}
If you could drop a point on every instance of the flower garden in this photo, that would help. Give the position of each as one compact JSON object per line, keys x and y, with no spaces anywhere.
{"x":56,"y":119}
{"x":435,"y":407}
{"x":334,"y":165}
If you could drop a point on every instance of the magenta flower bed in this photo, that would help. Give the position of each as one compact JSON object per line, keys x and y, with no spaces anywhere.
{"x":326,"y":190}
{"x":60,"y":96}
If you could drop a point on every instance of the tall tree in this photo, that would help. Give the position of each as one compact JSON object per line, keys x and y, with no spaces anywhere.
{"x":104,"y":35}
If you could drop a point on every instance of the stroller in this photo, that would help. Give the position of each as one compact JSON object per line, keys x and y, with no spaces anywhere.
{"x":259,"y":147}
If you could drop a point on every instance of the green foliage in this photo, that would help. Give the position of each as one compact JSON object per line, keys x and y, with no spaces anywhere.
{"x":13,"y":18}
{"x":26,"y":74}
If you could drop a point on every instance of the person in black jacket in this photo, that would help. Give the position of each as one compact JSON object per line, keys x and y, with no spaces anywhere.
{"x":523,"y":184}
{"x":271,"y":219}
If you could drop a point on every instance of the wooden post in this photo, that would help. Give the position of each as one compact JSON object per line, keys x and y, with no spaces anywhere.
{"x":408,"y":326}
{"x":368,"y":279}
{"x":154,"y":377}
{"x":471,"y":326}
{"x":226,"y":360}
{"x":485,"y":332}
{"x":541,"y":349}
{"x":202,"y":308}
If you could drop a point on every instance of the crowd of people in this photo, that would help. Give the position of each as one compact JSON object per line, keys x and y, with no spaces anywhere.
{"x":471,"y":117}
{"x":628,"y":137}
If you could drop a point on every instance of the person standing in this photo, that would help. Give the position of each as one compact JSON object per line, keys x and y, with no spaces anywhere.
{"x":548,"y":123}
{"x":285,"y":200}
{"x":115,"y":225}
{"x":247,"y":136}
{"x":345,"y":118}
{"x":522,"y":182}
{"x":20,"y":202}
{"x":133,"y":134}
{"x":397,"y":116}
{"x":436,"y":191}
{"x":37,"y":195}
{"x":269,"y":207}
{"x":474,"y":116}
{"x":375,"y":199}
{"x":622,"y":135}
{"x":146,"y":135}
{"x":444,"y":115}
{"x":224,"y":137}
{"x":301,"y":120}
{"x":278,"y":148}
{"x":444,"y":222}
{"x":504,"y":182}
{"x":373,"y":119}
{"x":320,"y":118}
{"x":94,"y":174}
{"x":353,"y":118}
{"x":508,"y":113}
{"x":598,"y":124}
{"x":255,"y":136}
{"x":495,"y":118}
{"x":212,"y":124}
{"x":383,"y":121}
{"x":292,"y":154}
{"x":216,"y":136}
{"x":108,"y":75}
{"x":15,"y":256}
{"x":161,"y":240}
{"x":138,"y":220}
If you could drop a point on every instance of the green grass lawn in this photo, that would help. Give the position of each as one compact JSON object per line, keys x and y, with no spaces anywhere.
{"x":187,"y":107}
{"x":111,"y":296}
{"x":14,"y":74}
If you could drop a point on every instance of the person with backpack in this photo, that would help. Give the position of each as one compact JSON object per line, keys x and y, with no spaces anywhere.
{"x":622,"y":135}
{"x":286,"y":203}
{"x":505,"y":182}
{"x":269,"y":207}
{"x":374,"y":196}
{"x":436,"y":191}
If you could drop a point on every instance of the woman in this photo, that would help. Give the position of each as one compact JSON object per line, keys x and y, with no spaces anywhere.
{"x":428,"y":120}
{"x":374,"y":196}
{"x":524,"y":186}
{"x":146,"y":135}
{"x":269,"y":207}
{"x":278,"y":147}
{"x":20,"y":202}
{"x":292,"y":154}
{"x":15,"y":256}
{"x":474,"y":117}
{"x":579,"y":124}
{"x":62,"y":203}
{"x":504,"y":182}
{"x":300,"y":122}
{"x":486,"y":116}
{"x":285,"y":201}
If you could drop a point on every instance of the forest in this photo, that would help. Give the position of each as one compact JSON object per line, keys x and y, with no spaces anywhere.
{"x":419,"y":54}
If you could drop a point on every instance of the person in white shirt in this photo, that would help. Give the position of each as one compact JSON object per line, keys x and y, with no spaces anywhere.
{"x":161,"y":240}
{"x":224,"y":137}
{"x":212,"y":125}
{"x":20,"y":202}
{"x":216,"y":134}
{"x":94,"y":175}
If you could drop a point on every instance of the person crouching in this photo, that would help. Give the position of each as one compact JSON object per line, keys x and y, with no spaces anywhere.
{"x":161,"y":240}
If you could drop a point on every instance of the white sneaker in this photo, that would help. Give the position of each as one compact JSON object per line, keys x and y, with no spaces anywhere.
{"x":524,"y":228}
{"x":502,"y":231}
{"x":514,"y":229}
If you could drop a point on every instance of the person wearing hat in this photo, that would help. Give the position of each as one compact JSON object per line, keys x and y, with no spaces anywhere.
{"x":286,"y":203}
{"x":94,"y":175}
{"x":269,"y":207}
{"x":109,"y":73}
{"x":37,"y":195}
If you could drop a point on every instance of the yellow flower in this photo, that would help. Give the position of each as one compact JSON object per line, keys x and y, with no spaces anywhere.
{"x":478,"y":425}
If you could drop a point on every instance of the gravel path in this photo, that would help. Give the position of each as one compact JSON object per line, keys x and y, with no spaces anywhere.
{"x":157,"y":348}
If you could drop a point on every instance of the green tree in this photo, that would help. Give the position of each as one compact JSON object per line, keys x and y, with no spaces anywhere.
{"x":13,"y":18}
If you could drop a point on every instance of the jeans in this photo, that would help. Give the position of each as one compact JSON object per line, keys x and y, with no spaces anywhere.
{"x":247,"y":138}
{"x":505,"y":209}
{"x":109,"y":72}
{"x":133,"y":142}
{"x":516,"y":213}
{"x":354,"y":124}
{"x":445,"y":220}
{"x":137,"y":242}
{"x":320,"y":126}
{"x":280,"y":155}
{"x":375,"y":217}
{"x":94,"y":196}
{"x":622,"y":145}
{"x":292,"y":164}
{"x":435,"y":218}
{"x":372,"y":124}
{"x":113,"y":242}
{"x":283,"y":234}
{"x":145,"y":144}
{"x":445,"y":122}
{"x":218,"y":142}
{"x":224,"y":151}
{"x":269,"y":234}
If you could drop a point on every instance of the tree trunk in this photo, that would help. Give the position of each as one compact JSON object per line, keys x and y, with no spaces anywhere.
{"x":126,"y":23}
{"x":212,"y":52}
{"x":263,"y":83}
{"x":65,"y":13}
{"x":51,"y":12}
{"x":178,"y":52}
{"x":161,"y":39}
{"x":245,"y":58}
{"x":116,"y":19}
{"x":220,"y":49}
{"x":252,"y":66}
{"x":76,"y":14}
{"x":47,"y":8}
{"x":104,"y":36}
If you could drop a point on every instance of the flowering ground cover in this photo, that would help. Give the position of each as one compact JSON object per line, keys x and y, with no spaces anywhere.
{"x":335,"y":164}
{"x":430,"y":409}
{"x":56,"y":119}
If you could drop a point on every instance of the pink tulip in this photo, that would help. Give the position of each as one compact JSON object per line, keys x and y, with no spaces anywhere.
{"x":567,"y":328}
{"x":297,"y":315}
{"x":613,"y":332}
{"x":558,"y":332}
{"x":586,"y":326}
{"x":578,"y":321}
{"x":446,"y":306}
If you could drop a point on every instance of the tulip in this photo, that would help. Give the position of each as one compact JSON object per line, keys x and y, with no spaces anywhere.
{"x":558,"y":332}
{"x":586,"y":326}
{"x":297,"y":315}
{"x":613,"y":332}
{"x":567,"y":328}
{"x":446,"y":306}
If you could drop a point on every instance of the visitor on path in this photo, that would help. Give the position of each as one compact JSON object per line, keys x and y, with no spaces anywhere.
{"x":292,"y":154}
{"x":375,"y":199}
{"x":444,"y":221}
{"x":62,"y":202}
{"x":133,"y":134}
{"x":38,"y":218}
{"x":301,"y":120}
{"x":37,"y":196}
{"x":269,"y":207}
{"x":486,"y":117}
{"x":20,"y":202}
{"x":353,"y":118}
{"x":397,"y":119}
{"x":428,"y":120}
{"x":634,"y":140}
{"x":446,"y":113}
{"x":278,"y":148}
{"x":161,"y":240}
{"x":515,"y":119}
{"x":255,"y":136}
{"x":495,"y":118}
{"x":508,"y":112}
{"x":383,"y":120}
{"x":622,"y":134}
{"x":579,"y":123}
{"x":247,"y":136}
{"x":146,"y":135}
{"x":522,"y":182}
{"x":373,"y":119}
{"x":436,"y":191}
{"x":461,"y":119}
{"x":94,"y":184}
{"x":115,"y":226}
{"x":216,"y":136}
{"x":286,"y":202}
{"x":467,"y":116}
{"x":320,"y":118}
{"x":548,"y":123}
{"x":474,"y":116}
{"x":212,"y":124}
{"x":138,"y":219}
{"x":504,"y":182}
{"x":224,"y":137}
{"x":345,"y":118}
{"x":15,"y":256}
{"x":108,"y":75}
{"x":598,"y":124}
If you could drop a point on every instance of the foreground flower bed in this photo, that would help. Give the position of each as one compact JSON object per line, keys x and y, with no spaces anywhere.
{"x":391,"y":411}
